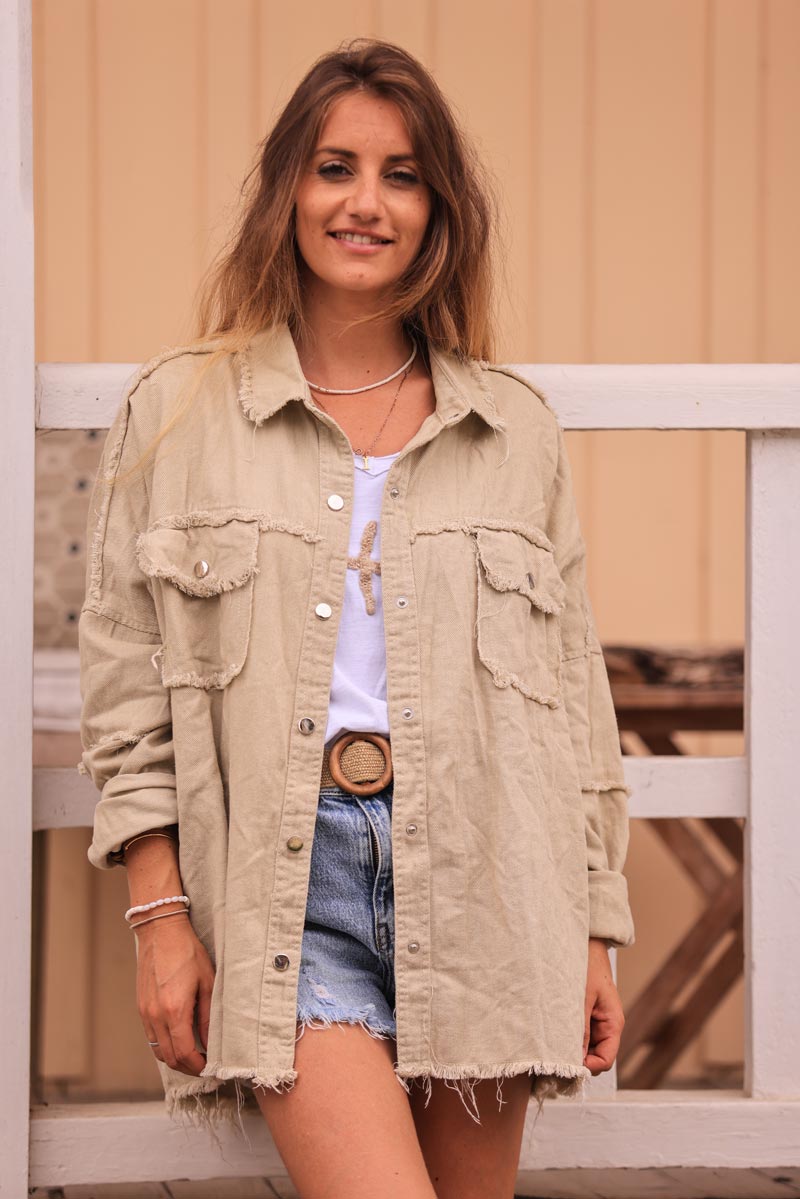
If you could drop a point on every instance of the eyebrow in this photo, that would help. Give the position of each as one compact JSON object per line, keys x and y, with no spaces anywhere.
{"x":352,"y":154}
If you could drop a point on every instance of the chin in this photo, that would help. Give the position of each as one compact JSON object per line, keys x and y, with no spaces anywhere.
{"x":363,"y":284}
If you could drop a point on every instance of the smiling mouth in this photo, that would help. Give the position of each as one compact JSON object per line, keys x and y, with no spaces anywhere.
{"x":358,"y":239}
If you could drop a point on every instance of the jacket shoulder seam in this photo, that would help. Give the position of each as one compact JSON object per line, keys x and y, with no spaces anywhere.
{"x":166,"y":355}
{"x":112,"y":456}
{"x":512,"y":374}
{"x":107,"y":474}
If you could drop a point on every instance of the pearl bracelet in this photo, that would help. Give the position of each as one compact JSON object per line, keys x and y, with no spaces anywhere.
{"x":157,"y":903}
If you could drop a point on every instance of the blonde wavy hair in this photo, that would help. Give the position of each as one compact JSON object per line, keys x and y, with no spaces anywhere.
{"x":446,"y":298}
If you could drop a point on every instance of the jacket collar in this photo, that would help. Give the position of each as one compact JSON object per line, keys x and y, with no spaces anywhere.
{"x":271,"y":376}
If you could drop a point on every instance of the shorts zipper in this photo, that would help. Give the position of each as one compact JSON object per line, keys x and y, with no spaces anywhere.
{"x":376,"y":849}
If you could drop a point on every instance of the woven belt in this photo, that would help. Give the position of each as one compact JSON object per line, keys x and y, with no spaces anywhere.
{"x":360,"y":763}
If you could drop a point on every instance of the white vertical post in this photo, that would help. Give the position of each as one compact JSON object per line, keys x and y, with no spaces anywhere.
{"x":17,"y":354}
{"x":772,"y":731}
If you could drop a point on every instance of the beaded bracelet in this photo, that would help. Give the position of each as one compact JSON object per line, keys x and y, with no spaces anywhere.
{"x":157,"y":903}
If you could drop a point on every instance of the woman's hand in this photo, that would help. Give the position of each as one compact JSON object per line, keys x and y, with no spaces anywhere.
{"x":174,"y":975}
{"x":605,"y":1018}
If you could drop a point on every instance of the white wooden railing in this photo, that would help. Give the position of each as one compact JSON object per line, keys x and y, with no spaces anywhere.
{"x":119,"y":1142}
{"x":758,"y":1126}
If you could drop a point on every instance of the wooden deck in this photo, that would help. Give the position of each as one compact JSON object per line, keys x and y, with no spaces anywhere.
{"x":544,"y":1184}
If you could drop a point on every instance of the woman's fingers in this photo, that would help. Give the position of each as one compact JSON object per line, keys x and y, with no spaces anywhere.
{"x":204,"y":1008}
{"x":161,"y":1033}
{"x":175,"y":1044}
{"x":188,"y":1058}
{"x":152,"y":1039}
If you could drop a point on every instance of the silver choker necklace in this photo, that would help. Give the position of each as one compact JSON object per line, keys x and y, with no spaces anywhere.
{"x":351,"y":391}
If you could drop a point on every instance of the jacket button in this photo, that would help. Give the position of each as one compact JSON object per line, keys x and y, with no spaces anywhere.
{"x":335,"y":501}
{"x":295,"y":843}
{"x":402,"y":601}
{"x":408,"y":713}
{"x":201,"y":568}
{"x":411,"y":829}
{"x":413,"y":947}
{"x":306,"y":725}
{"x":281,"y":962}
{"x":394,"y":492}
{"x":323,"y":610}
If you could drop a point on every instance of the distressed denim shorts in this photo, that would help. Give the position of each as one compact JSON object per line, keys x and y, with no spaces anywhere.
{"x":347,"y":961}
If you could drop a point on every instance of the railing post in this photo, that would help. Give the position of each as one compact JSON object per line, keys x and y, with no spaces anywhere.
{"x":772,"y":738}
{"x":17,"y":353}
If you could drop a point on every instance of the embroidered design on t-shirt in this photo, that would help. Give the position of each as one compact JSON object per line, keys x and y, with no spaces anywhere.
{"x":366,"y":565}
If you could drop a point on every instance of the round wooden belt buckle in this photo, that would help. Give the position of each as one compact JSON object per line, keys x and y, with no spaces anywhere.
{"x":347,"y":784}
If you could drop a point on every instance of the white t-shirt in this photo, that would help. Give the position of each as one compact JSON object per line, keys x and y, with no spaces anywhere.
{"x":358,"y":688}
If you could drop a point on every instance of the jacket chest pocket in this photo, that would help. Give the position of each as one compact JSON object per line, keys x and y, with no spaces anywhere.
{"x":203,"y":579}
{"x":520,"y":597}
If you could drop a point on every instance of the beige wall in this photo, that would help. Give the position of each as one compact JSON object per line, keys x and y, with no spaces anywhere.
{"x":647,"y":156}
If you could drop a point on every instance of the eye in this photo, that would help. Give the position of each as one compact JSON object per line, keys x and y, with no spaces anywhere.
{"x":332,"y":170}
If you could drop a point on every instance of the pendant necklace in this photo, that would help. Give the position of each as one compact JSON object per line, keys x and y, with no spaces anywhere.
{"x":404,"y":371}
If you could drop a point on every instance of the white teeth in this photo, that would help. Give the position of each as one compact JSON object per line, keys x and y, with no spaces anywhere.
{"x":360,"y":239}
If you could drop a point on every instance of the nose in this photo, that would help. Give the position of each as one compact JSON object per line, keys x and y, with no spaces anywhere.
{"x":364,"y":197}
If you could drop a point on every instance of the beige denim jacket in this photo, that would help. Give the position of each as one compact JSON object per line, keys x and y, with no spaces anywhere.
{"x":205,"y":699}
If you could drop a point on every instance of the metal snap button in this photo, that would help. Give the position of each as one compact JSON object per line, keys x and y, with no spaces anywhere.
{"x":411,"y":829}
{"x":413,"y":947}
{"x":402,"y":601}
{"x":323,"y":611}
{"x":335,"y":501}
{"x":281,"y":962}
{"x":408,"y":713}
{"x":394,"y":492}
{"x":295,"y":843}
{"x":306,"y":725}
{"x":201,"y":568}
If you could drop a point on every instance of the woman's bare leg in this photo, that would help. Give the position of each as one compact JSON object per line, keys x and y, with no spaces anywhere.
{"x":344,"y":1130}
{"x":466,"y":1160}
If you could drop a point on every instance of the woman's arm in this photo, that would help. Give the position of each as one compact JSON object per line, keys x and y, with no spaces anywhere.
{"x":592,"y":722}
{"x":126,"y":734}
{"x":126,"y":718}
{"x":153,"y":873}
{"x":174,"y":974}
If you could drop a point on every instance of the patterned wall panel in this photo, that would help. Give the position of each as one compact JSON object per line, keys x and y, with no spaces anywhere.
{"x":66,"y":464}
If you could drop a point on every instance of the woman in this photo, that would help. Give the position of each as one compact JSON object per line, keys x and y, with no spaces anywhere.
{"x":343,"y":692}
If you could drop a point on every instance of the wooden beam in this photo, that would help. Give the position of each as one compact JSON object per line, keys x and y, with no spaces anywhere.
{"x":772,"y":704}
{"x":686,"y":786}
{"x":94,"y":1143}
{"x":654,"y":1003}
{"x":86,"y":395}
{"x":17,"y":351}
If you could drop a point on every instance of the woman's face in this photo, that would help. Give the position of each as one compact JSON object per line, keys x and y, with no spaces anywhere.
{"x":361,"y":178}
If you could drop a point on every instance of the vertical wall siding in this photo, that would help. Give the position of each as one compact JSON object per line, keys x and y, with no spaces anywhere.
{"x":646,"y":155}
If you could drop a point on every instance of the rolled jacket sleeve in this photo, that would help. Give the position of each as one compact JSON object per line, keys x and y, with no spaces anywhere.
{"x":592,"y":722}
{"x":126,"y":724}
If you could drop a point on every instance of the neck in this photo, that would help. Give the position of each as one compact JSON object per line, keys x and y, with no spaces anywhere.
{"x":334,"y":355}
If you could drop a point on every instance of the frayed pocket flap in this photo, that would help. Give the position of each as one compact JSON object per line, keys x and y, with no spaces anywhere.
{"x":512,"y":562}
{"x":202,"y":559}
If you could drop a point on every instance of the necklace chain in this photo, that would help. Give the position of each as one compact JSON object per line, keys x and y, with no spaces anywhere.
{"x":406,"y":370}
